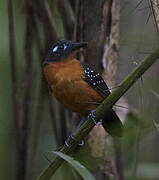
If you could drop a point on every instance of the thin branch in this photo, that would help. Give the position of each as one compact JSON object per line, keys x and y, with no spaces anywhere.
{"x":44,"y":14}
{"x":12,"y":44}
{"x":138,"y":4}
{"x":63,"y":124}
{"x":137,"y":136}
{"x":25,"y":95}
{"x":53,"y":118}
{"x":68,"y":17}
{"x":46,"y":17}
{"x":12,"y":48}
{"x":77,"y":19}
{"x":154,"y":13}
{"x":73,"y":4}
{"x":118,"y":159}
{"x":49,"y":24}
{"x":148,"y":18}
{"x":87,"y":126}
{"x":35,"y":129}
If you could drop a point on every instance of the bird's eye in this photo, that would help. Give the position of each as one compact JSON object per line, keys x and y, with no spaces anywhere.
{"x":58,"y":48}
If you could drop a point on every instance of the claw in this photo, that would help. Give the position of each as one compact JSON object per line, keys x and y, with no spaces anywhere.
{"x":81,"y":143}
{"x":68,"y":139}
{"x":71,"y":137}
{"x":92,"y":115}
{"x":66,"y":143}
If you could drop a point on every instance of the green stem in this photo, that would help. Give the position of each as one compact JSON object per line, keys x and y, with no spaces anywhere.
{"x":82,"y":131}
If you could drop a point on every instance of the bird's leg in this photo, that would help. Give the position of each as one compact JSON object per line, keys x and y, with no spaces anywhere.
{"x":92,"y":116}
{"x":72,"y":138}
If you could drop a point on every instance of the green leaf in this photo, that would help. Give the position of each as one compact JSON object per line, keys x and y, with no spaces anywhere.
{"x":85,"y":174}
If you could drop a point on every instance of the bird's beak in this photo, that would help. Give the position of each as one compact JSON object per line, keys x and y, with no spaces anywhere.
{"x":78,"y":45}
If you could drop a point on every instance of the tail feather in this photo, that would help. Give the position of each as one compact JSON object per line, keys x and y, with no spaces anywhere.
{"x":112,"y":124}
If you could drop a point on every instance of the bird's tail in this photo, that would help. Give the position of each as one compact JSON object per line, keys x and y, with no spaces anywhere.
{"x":112,"y":124}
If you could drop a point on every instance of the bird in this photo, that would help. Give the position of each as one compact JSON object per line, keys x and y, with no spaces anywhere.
{"x":76,"y":85}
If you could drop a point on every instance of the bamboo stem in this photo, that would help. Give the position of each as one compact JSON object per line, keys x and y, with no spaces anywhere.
{"x":82,"y":131}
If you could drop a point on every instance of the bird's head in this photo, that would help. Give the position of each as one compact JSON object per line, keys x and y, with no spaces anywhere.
{"x":62,"y":49}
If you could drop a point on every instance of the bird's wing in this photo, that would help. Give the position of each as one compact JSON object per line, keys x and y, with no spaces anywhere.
{"x":95,"y":80}
{"x":111,"y":121}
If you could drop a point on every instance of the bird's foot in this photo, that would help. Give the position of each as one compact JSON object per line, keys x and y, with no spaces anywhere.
{"x":92,"y":116}
{"x":71,"y":138}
